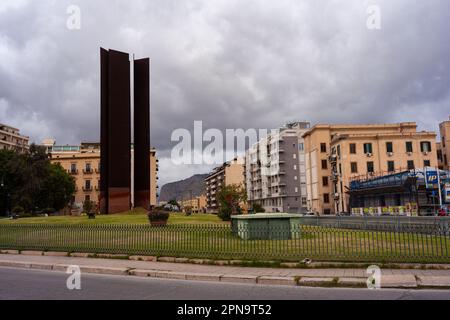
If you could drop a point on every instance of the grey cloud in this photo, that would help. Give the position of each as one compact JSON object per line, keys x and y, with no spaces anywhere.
{"x":232,"y":64}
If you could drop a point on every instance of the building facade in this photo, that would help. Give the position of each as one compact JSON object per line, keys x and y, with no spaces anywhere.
{"x":275,"y":171}
{"x":404,"y":193}
{"x":229,"y":173}
{"x":11,"y":139}
{"x":83,"y":163}
{"x":337,"y":154}
{"x":196,"y":204}
{"x":444,"y":145}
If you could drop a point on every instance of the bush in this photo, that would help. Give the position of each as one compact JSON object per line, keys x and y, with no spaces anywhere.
{"x":224,"y":214}
{"x":188,"y":210}
{"x":257,"y":208}
{"x":158,"y":215}
{"x":88,"y":206}
{"x":18,"y":210}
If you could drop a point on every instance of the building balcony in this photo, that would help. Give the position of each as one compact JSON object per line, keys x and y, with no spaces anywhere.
{"x":97,"y":170}
{"x":73,"y":172}
{"x":86,"y":171}
{"x":87,"y":189}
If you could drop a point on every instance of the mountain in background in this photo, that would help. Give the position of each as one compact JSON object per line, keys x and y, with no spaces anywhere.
{"x":184,"y":189}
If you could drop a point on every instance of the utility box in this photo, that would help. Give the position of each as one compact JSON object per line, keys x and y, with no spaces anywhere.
{"x":267,"y":226}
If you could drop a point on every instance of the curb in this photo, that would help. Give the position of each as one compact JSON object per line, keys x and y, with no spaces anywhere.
{"x":241,"y":263}
{"x":400,"y":281}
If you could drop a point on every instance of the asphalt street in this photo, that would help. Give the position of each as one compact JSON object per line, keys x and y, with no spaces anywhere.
{"x":48,"y":285}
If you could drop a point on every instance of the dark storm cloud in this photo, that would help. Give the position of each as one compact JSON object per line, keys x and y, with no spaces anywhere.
{"x":232,"y":64}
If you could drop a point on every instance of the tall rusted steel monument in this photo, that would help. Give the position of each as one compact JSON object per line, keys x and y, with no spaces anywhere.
{"x":115,"y":132}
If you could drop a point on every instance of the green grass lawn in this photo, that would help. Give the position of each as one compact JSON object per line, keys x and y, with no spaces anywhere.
{"x":132,"y":217}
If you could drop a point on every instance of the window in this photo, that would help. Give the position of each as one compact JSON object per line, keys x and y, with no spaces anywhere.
{"x":73,"y":168}
{"x":323,"y":147}
{"x":324,"y":164}
{"x":409,"y":146}
{"x":339,"y":151}
{"x":426,"y":163}
{"x":295,"y":178}
{"x":340,"y":169}
{"x":87,"y":184}
{"x":294,"y":156}
{"x":326,"y":198}
{"x":411,"y":165}
{"x":367,"y":148}
{"x":353,"y":148}
{"x":391,"y":166}
{"x":327,"y":211}
{"x":370,"y":168}
{"x":425,"y":146}
{"x":87,"y":198}
{"x":303,"y":201}
{"x":296,"y":190}
{"x":295,"y":167}
{"x":354,"y":167}
{"x":88,"y":167}
{"x":389,"y":147}
{"x":325,"y":181}
{"x":301,"y":146}
{"x":443,"y":142}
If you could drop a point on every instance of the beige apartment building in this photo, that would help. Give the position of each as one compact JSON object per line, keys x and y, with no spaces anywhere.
{"x":197,"y":204}
{"x":336,"y":154}
{"x":83,"y":163}
{"x":11,"y":139}
{"x":229,"y":173}
{"x":444,"y":145}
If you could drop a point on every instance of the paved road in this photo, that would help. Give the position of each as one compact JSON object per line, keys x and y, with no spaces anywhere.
{"x":37,"y":284}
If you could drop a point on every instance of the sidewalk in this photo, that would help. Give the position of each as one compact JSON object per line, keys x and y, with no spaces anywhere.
{"x":391,"y":278}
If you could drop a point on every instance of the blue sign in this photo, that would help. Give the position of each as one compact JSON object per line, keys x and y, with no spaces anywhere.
{"x":431,"y":179}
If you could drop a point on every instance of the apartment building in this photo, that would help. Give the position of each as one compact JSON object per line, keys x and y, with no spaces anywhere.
{"x":83,"y":163}
{"x":11,"y":139}
{"x":336,"y":154}
{"x":196,"y":204}
{"x":275,"y":170}
{"x":229,"y":173}
{"x":444,"y":145}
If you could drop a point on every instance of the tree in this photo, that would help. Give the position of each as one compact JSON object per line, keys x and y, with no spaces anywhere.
{"x":32,"y":182}
{"x":230,"y":198}
{"x":173,"y":202}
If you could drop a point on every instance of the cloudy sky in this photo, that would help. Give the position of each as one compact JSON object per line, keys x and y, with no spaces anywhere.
{"x":230,"y":63}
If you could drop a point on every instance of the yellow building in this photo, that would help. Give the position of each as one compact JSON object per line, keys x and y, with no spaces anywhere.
{"x":229,"y":173}
{"x":83,"y":163}
{"x":11,"y":139}
{"x":197,"y":204}
{"x":336,"y":154}
{"x":444,"y":145}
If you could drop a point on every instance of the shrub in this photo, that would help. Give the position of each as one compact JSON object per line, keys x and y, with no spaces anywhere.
{"x":88,"y":206}
{"x":158,"y":215}
{"x":224,"y":214}
{"x":18,"y":210}
{"x":257,"y":208}
{"x":188,"y":210}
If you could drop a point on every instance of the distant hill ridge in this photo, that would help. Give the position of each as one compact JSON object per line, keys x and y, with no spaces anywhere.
{"x":183,"y":189}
